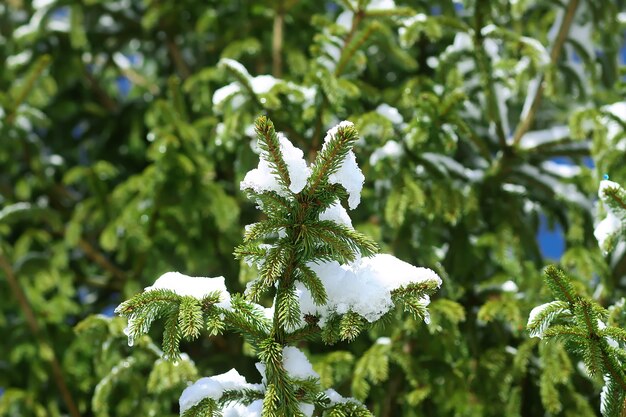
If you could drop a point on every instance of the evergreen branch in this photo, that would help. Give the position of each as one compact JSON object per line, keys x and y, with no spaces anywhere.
{"x":483,"y":64}
{"x":560,"y":285}
{"x":45,"y":345}
{"x":263,"y":228}
{"x":331,"y":157}
{"x":555,"y":53}
{"x":207,"y":407}
{"x":270,"y":145}
{"x":171,"y":335}
{"x":615,"y":195}
{"x":277,"y":260}
{"x":348,"y":51}
{"x":311,"y":281}
{"x":27,"y":87}
{"x":190,"y":318}
{"x":305,"y":333}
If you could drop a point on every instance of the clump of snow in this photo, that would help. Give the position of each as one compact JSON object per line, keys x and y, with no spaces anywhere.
{"x":532,"y":317}
{"x":337,"y":214}
{"x":198,"y":287}
{"x":389,"y":112}
{"x":349,"y":174}
{"x":383,"y":341}
{"x":345,"y":19}
{"x":380,"y":5}
{"x":254,"y":409}
{"x":541,"y":137}
{"x":561,"y":170}
{"x":262,"y":84}
{"x":297,"y":364}
{"x":391,"y":149}
{"x":212,"y":387}
{"x":223,"y":93}
{"x":370,"y":280}
{"x":261,"y":178}
{"x":307,"y":409}
{"x":509,"y":286}
{"x":614,"y":221}
{"x":607,"y":228}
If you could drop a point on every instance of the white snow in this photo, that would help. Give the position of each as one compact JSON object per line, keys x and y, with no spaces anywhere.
{"x":391,"y":113}
{"x":198,"y":287}
{"x":337,"y":214}
{"x":535,"y":312}
{"x":509,"y":286}
{"x":297,"y":364}
{"x":561,"y":170}
{"x":213,"y":387}
{"x":383,"y":341}
{"x":307,"y":409}
{"x":262,"y":84}
{"x":234,"y":65}
{"x":606,"y":228}
{"x":261,"y":178}
{"x":345,"y":19}
{"x":541,"y":137}
{"x":603,"y":395}
{"x":614,"y":221}
{"x":223,"y":93}
{"x":370,"y":282}
{"x":349,"y":175}
{"x":239,"y":410}
{"x":381,"y":5}
{"x":565,"y":191}
{"x":391,"y":149}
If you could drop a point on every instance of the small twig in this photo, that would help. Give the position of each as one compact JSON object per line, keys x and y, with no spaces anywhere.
{"x":105,"y":100}
{"x":485,"y":68}
{"x":92,"y":253}
{"x":277,"y":40}
{"x":177,"y":58}
{"x":28,"y":86}
{"x":555,"y":53}
{"x":31,"y":320}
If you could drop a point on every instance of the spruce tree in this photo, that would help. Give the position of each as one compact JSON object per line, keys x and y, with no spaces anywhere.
{"x":323,"y":276}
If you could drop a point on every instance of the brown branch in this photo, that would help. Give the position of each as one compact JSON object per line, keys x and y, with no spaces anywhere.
{"x":555,"y":53}
{"x":103,"y":97}
{"x":96,"y":256}
{"x":484,"y":65}
{"x":177,"y":58}
{"x":31,"y":320}
{"x":277,"y":40}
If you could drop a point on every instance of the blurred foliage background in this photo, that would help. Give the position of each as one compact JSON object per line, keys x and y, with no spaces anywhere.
{"x":125,"y":128}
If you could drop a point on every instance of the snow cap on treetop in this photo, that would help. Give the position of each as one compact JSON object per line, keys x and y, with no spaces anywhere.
{"x":349,"y":175}
{"x":261,"y":179}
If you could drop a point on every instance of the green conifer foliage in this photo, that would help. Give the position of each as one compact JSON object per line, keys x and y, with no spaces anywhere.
{"x":127,"y":126}
{"x":302,"y":235}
